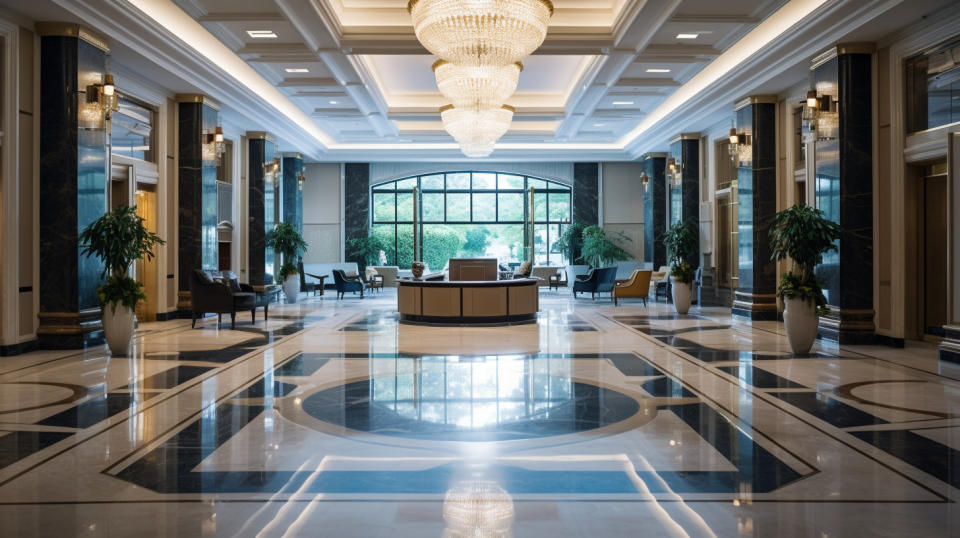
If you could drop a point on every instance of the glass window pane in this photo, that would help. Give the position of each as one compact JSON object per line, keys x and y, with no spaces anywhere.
{"x":540,"y":245}
{"x":387,"y":233}
{"x":511,"y":207}
{"x":383,"y":208}
{"x":386,"y":186}
{"x":559,"y":206}
{"x":557,"y":256}
{"x":440,"y":243}
{"x":458,"y":181}
{"x":484,"y":207}
{"x":404,"y":245}
{"x":538,"y":184}
{"x":432,"y":206}
{"x":404,"y":206}
{"x":540,"y":206}
{"x":132,"y":130}
{"x":458,"y":207}
{"x":432,"y":182}
{"x":505,"y":181}
{"x":483,"y":180}
{"x":408,"y":183}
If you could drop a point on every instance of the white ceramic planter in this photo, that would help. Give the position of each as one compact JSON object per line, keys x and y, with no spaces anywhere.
{"x":573,"y":271}
{"x":681,"y":296}
{"x":800,"y":320}
{"x":118,"y":328}
{"x":291,"y":288}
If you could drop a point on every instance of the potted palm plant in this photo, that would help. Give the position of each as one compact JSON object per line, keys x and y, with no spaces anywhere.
{"x":802,"y":234}
{"x":571,"y":242}
{"x":682,"y":242}
{"x":118,"y":239}
{"x":599,"y":250}
{"x":286,"y":240}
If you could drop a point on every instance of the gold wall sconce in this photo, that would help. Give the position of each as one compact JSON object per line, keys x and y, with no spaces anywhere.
{"x":104,"y":96}
{"x":301,"y":179}
{"x":813,"y":106}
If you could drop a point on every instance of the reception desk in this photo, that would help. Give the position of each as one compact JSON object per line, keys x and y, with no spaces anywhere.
{"x":468,"y":301}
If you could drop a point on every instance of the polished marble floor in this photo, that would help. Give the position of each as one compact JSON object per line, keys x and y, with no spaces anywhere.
{"x":334,"y":419}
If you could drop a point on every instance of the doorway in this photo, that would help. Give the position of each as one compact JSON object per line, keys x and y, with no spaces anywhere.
{"x":934,"y":221}
{"x":146,"y":269}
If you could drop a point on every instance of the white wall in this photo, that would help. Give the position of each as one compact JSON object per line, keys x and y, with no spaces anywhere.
{"x":322,"y":212}
{"x":622,"y":203}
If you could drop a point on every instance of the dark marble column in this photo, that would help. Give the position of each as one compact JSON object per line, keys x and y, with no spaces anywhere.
{"x":262,"y":199}
{"x":844,"y":192}
{"x":756,"y":294}
{"x":586,"y":177}
{"x":73,"y":186}
{"x":197,"y":246}
{"x":356,"y":195}
{"x":685,"y":197}
{"x":654,"y":209}
{"x":292,"y":193}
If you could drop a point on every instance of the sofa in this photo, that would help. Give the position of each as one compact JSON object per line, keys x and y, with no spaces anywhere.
{"x":390,"y":273}
{"x":544,"y":272}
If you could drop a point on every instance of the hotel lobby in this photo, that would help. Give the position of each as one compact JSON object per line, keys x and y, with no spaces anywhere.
{"x":485,"y":268}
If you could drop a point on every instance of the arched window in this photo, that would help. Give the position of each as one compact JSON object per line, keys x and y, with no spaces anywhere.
{"x":470,"y":214}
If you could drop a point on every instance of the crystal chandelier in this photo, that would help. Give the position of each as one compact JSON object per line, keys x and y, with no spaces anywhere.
{"x":476,"y":129}
{"x":481,"y":32}
{"x":484,"y":86}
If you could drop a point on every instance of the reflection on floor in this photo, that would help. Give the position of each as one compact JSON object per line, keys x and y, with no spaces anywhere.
{"x":335,"y":419}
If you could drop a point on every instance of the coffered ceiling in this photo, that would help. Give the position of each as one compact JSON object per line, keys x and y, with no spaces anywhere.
{"x":347,"y":79}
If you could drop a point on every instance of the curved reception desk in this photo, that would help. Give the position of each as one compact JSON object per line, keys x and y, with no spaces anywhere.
{"x":468,"y":301}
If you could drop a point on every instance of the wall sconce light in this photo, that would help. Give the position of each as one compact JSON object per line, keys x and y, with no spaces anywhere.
{"x":104,"y":96}
{"x":301,"y":179}
{"x":674,"y":168}
{"x":815,"y":105}
{"x":644,"y":180}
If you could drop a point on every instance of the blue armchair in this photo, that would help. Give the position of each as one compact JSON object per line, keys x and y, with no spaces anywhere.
{"x":597,"y":281}
{"x":346,"y":283}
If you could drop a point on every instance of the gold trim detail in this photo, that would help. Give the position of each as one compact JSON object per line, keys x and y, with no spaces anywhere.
{"x":196,"y":98}
{"x":858,"y":47}
{"x":685,"y":136}
{"x":69,"y":29}
{"x":654,"y":155}
{"x":261,"y":135}
{"x":436,"y":65}
{"x":510,"y":108}
{"x":445,"y":108}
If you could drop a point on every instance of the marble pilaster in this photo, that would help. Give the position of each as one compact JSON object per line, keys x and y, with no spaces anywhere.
{"x":685,"y":197}
{"x":586,"y":177}
{"x":292,"y":193}
{"x":844,"y":192}
{"x":654,"y":209}
{"x":356,"y":195}
{"x":197,"y":246}
{"x":756,"y":294}
{"x":262,"y":198}
{"x":73,"y":187}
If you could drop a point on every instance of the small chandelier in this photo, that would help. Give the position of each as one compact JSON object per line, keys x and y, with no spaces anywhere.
{"x":104,"y":96}
{"x":483,"y":86}
{"x":481,"y":32}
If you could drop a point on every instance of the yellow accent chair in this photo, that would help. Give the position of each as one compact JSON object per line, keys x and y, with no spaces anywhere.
{"x":638,"y":286}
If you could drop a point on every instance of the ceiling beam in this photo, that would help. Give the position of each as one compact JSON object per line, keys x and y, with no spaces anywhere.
{"x":309,"y":82}
{"x":700,"y":51}
{"x":715,"y":19}
{"x":240,"y":17}
{"x":640,"y":82}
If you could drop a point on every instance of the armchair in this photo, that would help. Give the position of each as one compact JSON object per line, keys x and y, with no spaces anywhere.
{"x":218,"y":297}
{"x":597,"y":281}
{"x":310,"y":286}
{"x":346,"y":283}
{"x":638,"y":285}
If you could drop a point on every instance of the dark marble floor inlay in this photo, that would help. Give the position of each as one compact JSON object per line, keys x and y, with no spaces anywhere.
{"x":14,"y":446}
{"x":95,"y":410}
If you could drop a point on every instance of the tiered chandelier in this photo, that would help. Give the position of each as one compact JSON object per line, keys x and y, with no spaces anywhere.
{"x":480,"y":44}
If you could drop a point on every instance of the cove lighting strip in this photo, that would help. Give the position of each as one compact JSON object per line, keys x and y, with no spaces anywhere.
{"x":176,"y":21}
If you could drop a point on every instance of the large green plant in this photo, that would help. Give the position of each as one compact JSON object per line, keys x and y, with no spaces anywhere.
{"x":365,"y":250}
{"x":682,"y":243}
{"x":599,"y":250}
{"x":802,"y":234}
{"x":571,"y":242}
{"x":286,"y":239}
{"x":118,"y":239}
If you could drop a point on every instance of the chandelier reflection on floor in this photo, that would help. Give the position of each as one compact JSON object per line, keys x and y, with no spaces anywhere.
{"x":480,"y":44}
{"x":474,"y":509}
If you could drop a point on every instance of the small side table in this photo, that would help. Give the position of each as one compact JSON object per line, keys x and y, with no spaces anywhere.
{"x":375,"y":283}
{"x":557,"y":281}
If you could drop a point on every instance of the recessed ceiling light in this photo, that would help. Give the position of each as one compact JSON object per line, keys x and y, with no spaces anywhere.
{"x":333,"y":102}
{"x":687,"y":36}
{"x":261,"y":34}
{"x":297,"y":70}
{"x":599,"y":124}
{"x":622,"y":103}
{"x":658,"y":70}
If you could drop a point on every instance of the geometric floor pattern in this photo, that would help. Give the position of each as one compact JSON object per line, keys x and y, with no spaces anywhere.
{"x":335,"y":419}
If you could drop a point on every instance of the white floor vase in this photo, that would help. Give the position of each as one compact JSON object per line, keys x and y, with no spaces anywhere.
{"x":800,"y":321}
{"x":118,"y":328}
{"x":291,"y":288}
{"x":681,"y":296}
